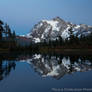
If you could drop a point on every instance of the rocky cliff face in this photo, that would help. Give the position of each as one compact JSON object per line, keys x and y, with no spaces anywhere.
{"x":52,"y":29}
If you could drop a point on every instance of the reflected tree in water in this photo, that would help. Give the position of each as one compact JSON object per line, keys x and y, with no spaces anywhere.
{"x":6,"y":67}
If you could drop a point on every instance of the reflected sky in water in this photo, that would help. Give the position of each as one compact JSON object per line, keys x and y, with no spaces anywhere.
{"x":33,"y":73}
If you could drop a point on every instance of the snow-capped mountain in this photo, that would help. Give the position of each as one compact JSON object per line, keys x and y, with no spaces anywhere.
{"x":52,"y":29}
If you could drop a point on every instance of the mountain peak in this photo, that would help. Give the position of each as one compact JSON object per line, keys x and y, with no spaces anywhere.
{"x":52,"y":29}
{"x":57,"y":19}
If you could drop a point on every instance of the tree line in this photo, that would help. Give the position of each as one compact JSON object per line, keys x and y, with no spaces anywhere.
{"x":7,"y":36}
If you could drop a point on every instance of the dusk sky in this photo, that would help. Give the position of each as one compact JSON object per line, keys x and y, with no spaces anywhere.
{"x":22,"y":15}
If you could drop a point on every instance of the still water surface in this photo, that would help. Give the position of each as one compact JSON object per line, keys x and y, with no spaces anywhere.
{"x":44,"y":73}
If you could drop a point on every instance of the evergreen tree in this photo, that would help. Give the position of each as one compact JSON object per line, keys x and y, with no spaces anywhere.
{"x":6,"y":29}
{"x":72,"y":37}
{"x":9,"y":32}
{"x":60,"y":40}
{"x":14,"y":35}
{"x":1,"y":29}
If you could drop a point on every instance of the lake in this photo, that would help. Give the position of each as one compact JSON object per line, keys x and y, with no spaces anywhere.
{"x":45,"y":73}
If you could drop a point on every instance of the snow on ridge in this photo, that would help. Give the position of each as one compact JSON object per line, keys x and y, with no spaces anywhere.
{"x":76,"y":27}
{"x":29,"y":35}
{"x":22,"y":35}
{"x":53,"y":23}
{"x":41,"y":24}
{"x":65,"y":33}
{"x":47,"y":29}
{"x":37,"y":56}
{"x":37,"y":40}
{"x":66,"y":62}
{"x":54,"y":71}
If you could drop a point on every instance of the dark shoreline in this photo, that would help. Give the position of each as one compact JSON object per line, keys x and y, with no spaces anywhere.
{"x":51,"y":51}
{"x":68,"y":51}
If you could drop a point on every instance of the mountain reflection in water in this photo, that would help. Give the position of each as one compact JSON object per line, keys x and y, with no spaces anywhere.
{"x":55,"y":66}
{"x":58,"y":66}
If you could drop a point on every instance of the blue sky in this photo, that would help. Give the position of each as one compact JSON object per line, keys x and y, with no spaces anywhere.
{"x":21,"y":15}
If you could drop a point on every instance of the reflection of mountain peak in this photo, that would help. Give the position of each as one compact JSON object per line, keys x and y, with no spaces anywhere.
{"x":50,"y":66}
{"x":46,"y":65}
